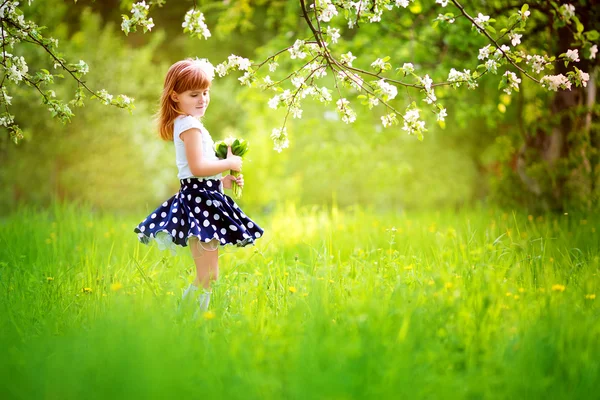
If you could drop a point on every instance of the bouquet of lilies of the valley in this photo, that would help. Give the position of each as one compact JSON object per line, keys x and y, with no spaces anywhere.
{"x":239,"y":147}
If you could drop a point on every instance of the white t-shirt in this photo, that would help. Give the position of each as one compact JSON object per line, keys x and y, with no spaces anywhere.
{"x":182,"y":124}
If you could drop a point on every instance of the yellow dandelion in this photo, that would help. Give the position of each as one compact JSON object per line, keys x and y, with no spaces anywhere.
{"x":448,"y":285}
{"x":208,"y":315}
{"x":530,"y":218}
{"x":49,"y":278}
{"x":116,"y":286}
{"x":320,"y":278}
{"x":508,"y":294}
{"x":431,"y":282}
{"x":516,"y":297}
{"x":86,"y":290}
{"x":551,"y":259}
{"x":591,"y":296}
{"x":304,"y":294}
{"x":408,"y":267}
{"x":331,"y":281}
{"x":170,"y":294}
{"x":292,"y":289}
{"x":558,"y":288}
{"x":286,"y":273}
{"x":521,"y":290}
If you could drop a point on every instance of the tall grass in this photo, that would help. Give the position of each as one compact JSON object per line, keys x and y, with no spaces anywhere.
{"x":335,"y":304}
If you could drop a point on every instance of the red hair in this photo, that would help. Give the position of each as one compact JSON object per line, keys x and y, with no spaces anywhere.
{"x":182,"y":76}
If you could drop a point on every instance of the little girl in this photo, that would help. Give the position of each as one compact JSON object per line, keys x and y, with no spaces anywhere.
{"x":200,"y":214}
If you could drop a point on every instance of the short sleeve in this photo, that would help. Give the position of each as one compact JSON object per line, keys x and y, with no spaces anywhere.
{"x":182,"y":124}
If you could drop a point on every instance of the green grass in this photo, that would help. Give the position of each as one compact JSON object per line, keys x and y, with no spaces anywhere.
{"x":333,"y":304}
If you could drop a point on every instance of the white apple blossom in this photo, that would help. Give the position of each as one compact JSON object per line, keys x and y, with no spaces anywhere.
{"x":347,"y":58}
{"x":348,"y":114}
{"x":584,"y":77}
{"x":554,"y":82}
{"x":195,"y":25}
{"x":412,"y":124}
{"x":484,"y":52}
{"x":388,"y":90}
{"x":567,"y":11}
{"x":512,"y":82}
{"x":333,"y":33}
{"x":481,"y":19}
{"x":389,"y":120}
{"x":515,"y":38}
{"x":297,"y":50}
{"x":524,"y":15}
{"x":593,"y":51}
{"x":408,"y":68}
{"x":492,"y":65}
{"x":297,"y":81}
{"x":442,"y":3}
{"x":426,"y":81}
{"x":442,"y":114}
{"x":273,"y":66}
{"x":379,"y":63}
{"x":280,"y":139}
{"x":573,"y":55}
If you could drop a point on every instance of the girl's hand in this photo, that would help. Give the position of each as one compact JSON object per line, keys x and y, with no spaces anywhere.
{"x":235,"y":162}
{"x":227,"y":180}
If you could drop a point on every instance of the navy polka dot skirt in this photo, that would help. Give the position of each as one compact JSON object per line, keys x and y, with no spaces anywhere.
{"x":199,"y":209}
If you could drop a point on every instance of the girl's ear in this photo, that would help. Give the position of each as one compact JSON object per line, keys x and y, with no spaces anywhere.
{"x":175,"y":97}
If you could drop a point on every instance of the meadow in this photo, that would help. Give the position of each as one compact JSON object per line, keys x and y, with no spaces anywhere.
{"x":330,"y":304}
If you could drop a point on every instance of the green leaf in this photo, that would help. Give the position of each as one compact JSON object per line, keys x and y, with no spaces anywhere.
{"x":524,"y":8}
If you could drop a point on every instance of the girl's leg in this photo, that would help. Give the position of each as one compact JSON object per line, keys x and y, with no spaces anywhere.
{"x":206,"y":258}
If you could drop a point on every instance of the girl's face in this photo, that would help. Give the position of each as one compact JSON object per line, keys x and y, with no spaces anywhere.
{"x":192,"y":102}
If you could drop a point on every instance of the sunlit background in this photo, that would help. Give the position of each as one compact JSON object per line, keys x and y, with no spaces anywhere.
{"x":113,"y":160}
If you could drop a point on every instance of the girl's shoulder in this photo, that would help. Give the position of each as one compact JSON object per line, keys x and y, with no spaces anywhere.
{"x":184,"y":122}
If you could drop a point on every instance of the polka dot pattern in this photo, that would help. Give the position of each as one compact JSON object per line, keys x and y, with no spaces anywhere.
{"x":200,"y":209}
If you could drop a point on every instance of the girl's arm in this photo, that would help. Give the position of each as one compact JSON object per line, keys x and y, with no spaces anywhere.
{"x":192,"y":139}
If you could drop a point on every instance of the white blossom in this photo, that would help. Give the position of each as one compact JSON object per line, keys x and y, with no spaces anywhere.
{"x":408,"y":68}
{"x":481,"y":19}
{"x":402,"y":3}
{"x":515,"y":38}
{"x":584,"y":77}
{"x":412,"y":124}
{"x":195,"y":25}
{"x":296,"y":51}
{"x":492,"y":65}
{"x":388,"y":90}
{"x":280,"y":139}
{"x":554,"y":82}
{"x":347,"y":58}
{"x":333,"y":33}
{"x":389,"y":120}
{"x":573,"y":55}
{"x":567,"y":11}
{"x":273,"y":66}
{"x":524,"y":15}
{"x":426,"y":81}
{"x":441,"y":115}
{"x":274,"y":101}
{"x":442,"y":3}
{"x":512,"y":81}
{"x":379,"y":63}
{"x":348,"y":114}
{"x":325,"y":10}
{"x":484,"y":52}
